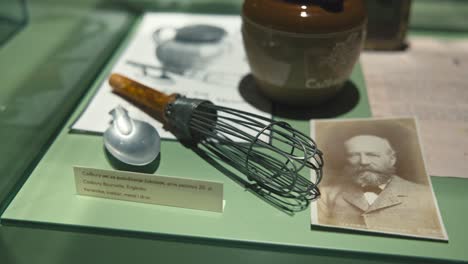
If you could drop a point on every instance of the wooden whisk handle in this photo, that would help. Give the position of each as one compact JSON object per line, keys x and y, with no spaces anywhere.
{"x":141,"y":94}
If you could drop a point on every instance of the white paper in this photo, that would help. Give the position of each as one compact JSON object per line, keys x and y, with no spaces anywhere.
{"x":429,"y":81}
{"x":218,"y":81}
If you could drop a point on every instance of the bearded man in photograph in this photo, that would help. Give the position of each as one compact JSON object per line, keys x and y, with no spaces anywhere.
{"x":370,"y":195}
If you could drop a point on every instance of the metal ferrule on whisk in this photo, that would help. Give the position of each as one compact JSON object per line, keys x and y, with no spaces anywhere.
{"x":179,"y":113}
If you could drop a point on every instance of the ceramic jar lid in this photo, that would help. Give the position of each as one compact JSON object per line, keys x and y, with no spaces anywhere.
{"x":302,"y":16}
{"x":200,"y":34}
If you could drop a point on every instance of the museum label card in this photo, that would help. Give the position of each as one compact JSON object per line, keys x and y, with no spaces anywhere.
{"x":149,"y":188}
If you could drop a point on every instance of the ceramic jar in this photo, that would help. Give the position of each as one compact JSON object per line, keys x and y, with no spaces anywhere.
{"x":302,"y":52}
{"x":387,"y":24}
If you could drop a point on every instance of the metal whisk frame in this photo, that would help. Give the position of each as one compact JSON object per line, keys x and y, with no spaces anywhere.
{"x":271,"y":154}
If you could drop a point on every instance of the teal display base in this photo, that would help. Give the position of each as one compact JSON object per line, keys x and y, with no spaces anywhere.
{"x":249,"y":228}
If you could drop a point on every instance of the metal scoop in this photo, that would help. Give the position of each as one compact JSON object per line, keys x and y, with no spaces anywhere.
{"x":131,"y":141}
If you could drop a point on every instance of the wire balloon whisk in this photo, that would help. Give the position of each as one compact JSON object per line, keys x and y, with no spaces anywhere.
{"x":271,"y":154}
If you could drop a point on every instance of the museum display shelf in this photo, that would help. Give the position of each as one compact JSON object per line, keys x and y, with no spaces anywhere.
{"x":44,"y":221}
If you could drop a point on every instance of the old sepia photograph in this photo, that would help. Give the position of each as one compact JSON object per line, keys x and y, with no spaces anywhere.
{"x":375,"y":179}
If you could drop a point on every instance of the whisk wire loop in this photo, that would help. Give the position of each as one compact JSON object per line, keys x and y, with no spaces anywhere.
{"x":270,"y":153}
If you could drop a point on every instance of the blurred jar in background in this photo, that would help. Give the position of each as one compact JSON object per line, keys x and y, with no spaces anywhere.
{"x":301,"y":52}
{"x":387,"y":24}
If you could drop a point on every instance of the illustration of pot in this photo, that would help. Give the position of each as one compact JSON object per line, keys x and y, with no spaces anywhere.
{"x":189,"y":48}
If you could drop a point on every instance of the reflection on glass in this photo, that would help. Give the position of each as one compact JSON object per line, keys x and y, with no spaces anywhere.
{"x":13,"y":16}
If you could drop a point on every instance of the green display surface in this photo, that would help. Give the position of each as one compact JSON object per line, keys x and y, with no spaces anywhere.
{"x":48,"y":200}
{"x":45,"y":69}
{"x":30,"y":63}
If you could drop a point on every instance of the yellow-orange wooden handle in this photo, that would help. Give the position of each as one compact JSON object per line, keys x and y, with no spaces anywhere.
{"x":141,"y":94}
